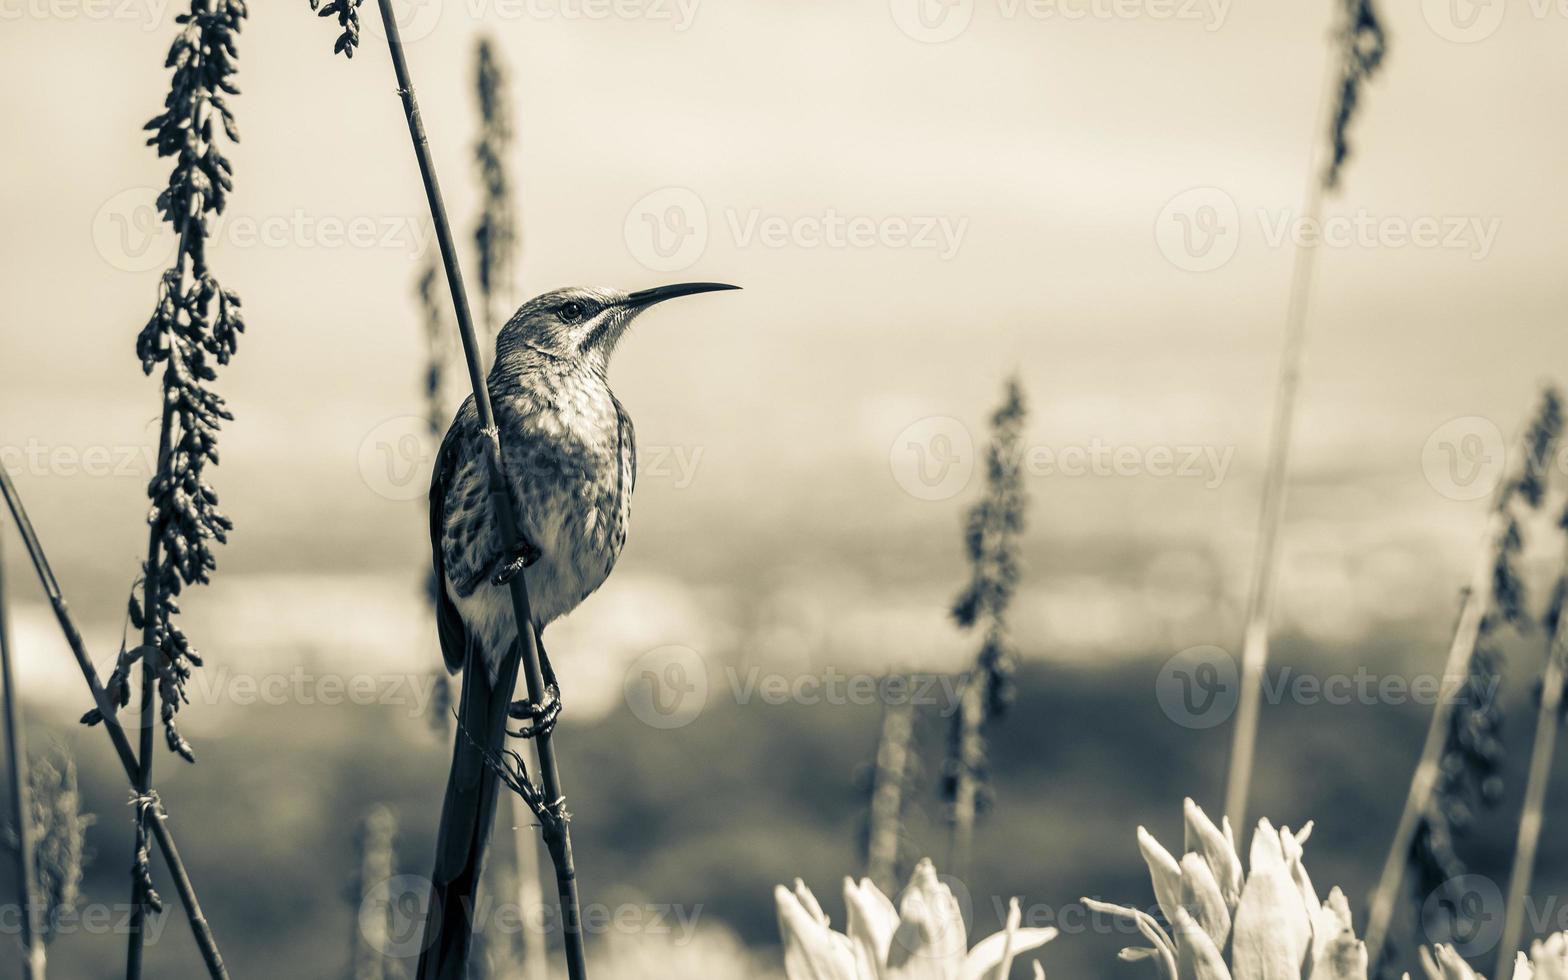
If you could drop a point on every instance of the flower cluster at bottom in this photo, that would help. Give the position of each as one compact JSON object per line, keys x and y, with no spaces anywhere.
{"x":1225,"y":923}
{"x":922,"y":939}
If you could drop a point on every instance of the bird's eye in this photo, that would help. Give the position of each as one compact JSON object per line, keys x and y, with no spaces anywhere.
{"x":571,"y":311}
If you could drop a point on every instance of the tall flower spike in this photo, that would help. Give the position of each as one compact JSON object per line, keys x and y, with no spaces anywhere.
{"x":1363,"y":45}
{"x":991,"y":536}
{"x":495,"y":235}
{"x":194,"y":323}
{"x":1472,"y":763}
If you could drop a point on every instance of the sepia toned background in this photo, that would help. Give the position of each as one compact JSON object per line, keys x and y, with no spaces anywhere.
{"x":917,"y":201}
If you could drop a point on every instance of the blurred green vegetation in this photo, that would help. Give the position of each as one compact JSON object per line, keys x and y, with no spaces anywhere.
{"x":710,"y":816}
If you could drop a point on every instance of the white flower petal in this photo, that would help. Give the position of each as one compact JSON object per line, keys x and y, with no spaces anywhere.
{"x":1523,"y":968}
{"x":992,"y":957}
{"x":1197,"y":956}
{"x":1548,"y":959}
{"x":929,"y":943}
{"x":1200,"y":896}
{"x":809,"y":902}
{"x":1218,"y":849}
{"x":1271,"y":934}
{"x":1164,"y":872}
{"x":1332,"y":932}
{"x":812,"y":951}
{"x":872,"y":920}
{"x":1291,"y":845}
{"x":1442,"y":963}
{"x":1164,"y":947}
{"x":1343,"y":958}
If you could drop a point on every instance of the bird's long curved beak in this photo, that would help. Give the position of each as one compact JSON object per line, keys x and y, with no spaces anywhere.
{"x":644,"y":298}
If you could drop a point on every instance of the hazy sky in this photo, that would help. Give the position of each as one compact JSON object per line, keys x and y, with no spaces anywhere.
{"x":910,"y":219}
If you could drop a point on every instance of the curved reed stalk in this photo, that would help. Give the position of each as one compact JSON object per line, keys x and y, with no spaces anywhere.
{"x":445,"y":956}
{"x":1358,"y":54}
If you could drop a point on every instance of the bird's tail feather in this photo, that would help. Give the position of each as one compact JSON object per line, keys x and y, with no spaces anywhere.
{"x":467,"y":816}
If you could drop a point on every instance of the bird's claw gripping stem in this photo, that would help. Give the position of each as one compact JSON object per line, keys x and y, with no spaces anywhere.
{"x":544,"y":714}
{"x":526,"y":555}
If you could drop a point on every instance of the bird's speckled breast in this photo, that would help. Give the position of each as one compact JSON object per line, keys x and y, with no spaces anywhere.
{"x":569,"y":454}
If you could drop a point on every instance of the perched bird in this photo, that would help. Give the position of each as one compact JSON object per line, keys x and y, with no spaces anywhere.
{"x":571,"y":460}
{"x":571,"y":457}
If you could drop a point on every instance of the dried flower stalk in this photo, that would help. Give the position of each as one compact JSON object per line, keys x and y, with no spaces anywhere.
{"x":991,"y":543}
{"x":1494,"y":593}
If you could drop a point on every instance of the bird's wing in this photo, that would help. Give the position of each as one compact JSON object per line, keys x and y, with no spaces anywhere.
{"x":449,"y":463}
{"x":457,"y":503}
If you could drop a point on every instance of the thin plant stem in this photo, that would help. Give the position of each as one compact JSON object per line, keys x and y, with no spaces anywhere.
{"x":1265,"y":558}
{"x":557,"y":834}
{"x":370,"y":936}
{"x":887,"y":793}
{"x":966,"y":792}
{"x":530,"y":896}
{"x":21,"y":811}
{"x":151,"y":591}
{"x":1478,"y":599}
{"x":156,"y":818}
{"x":1547,"y":728}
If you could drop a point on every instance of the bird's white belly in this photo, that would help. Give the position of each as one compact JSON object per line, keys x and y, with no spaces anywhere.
{"x":554,"y":589}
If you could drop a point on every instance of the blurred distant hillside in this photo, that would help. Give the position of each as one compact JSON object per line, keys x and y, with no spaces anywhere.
{"x":708,"y":817}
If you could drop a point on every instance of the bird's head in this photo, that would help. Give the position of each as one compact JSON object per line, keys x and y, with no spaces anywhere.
{"x":584,"y":324}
